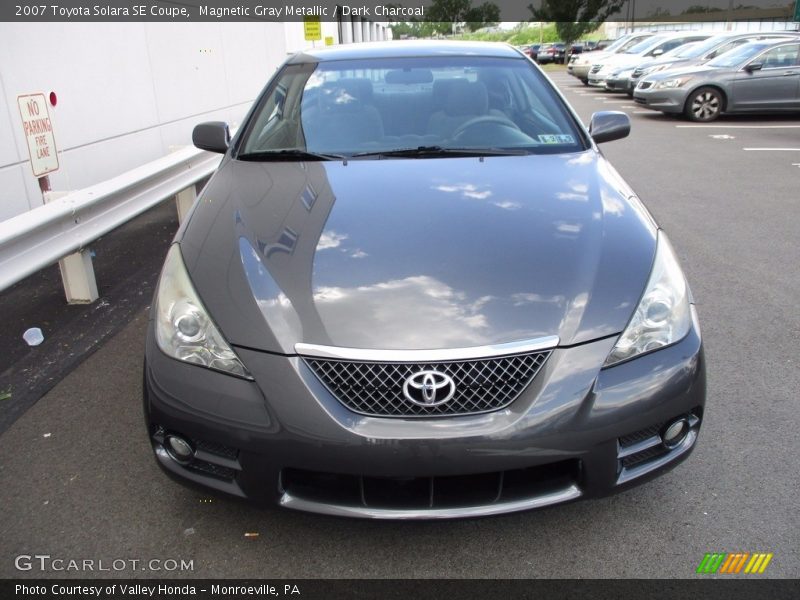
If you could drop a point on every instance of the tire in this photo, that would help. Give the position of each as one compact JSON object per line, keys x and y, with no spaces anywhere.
{"x":704,"y":105}
{"x":585,"y":82}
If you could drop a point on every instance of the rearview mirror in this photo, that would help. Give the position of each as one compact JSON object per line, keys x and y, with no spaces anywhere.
{"x":607,"y":126}
{"x":754,"y":66}
{"x":213,"y":136}
{"x":409,"y":76}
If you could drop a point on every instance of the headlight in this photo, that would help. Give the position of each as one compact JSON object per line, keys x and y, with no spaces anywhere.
{"x":657,"y":68}
{"x":672,"y":83}
{"x":183,"y":328}
{"x":663,"y":316}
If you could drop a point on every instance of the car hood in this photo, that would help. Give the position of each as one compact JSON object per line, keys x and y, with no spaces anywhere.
{"x":682,"y":70}
{"x":592,"y":57}
{"x":418,"y":253}
{"x":616,"y":61}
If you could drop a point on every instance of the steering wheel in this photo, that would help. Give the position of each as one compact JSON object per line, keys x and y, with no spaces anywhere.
{"x":484,"y":120}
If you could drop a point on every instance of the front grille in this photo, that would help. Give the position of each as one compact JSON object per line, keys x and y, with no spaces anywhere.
{"x":430,"y":492}
{"x":644,"y":456}
{"x":376,"y":388}
{"x":596,"y":68}
{"x":638,"y":436}
{"x":207,"y":468}
{"x":218,"y":449}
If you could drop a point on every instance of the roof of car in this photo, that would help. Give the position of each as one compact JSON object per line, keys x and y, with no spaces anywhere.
{"x":406,"y":48}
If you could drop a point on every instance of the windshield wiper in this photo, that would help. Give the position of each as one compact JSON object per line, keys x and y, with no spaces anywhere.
{"x":288,"y":154}
{"x":434,"y":151}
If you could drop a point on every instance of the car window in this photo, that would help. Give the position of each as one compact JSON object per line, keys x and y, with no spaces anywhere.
{"x":379,"y":105}
{"x":646,"y":44}
{"x":683,"y":51}
{"x":728,"y":47}
{"x":628,"y":44}
{"x":706,"y":46}
{"x":675,"y":43}
{"x":738,"y":55}
{"x":780,"y":57}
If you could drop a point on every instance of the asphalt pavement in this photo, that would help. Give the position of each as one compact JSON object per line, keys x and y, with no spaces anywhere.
{"x":77,"y":479}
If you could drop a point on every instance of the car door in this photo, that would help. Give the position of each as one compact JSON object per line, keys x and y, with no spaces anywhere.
{"x":775,"y":85}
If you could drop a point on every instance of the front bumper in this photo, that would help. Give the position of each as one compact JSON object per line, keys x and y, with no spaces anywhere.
{"x":581,"y":71}
{"x":618,"y":83}
{"x":598,"y":79}
{"x":575,"y":432}
{"x":664,"y":100}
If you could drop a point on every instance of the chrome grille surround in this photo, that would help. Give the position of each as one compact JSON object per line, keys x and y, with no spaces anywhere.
{"x":375,"y":387}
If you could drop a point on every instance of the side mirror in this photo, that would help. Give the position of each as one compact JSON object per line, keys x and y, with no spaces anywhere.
{"x":607,"y":126}
{"x":657,"y":52}
{"x":213,"y":136}
{"x":754,"y":66}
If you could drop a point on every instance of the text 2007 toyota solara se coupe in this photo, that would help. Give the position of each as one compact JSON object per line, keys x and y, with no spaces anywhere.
{"x":415,"y":289}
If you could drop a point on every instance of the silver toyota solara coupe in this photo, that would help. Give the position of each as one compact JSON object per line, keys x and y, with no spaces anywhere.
{"x":415,"y":289}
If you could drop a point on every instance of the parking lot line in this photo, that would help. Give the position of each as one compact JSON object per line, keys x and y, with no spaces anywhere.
{"x":739,"y":126}
{"x":772,"y":149}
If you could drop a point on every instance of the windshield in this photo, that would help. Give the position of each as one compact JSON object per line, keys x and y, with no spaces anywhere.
{"x":707,"y":46}
{"x":684,"y":51}
{"x":616,"y":45}
{"x":739,"y":55}
{"x":646,"y":45}
{"x":629,"y":43}
{"x":338,"y":109}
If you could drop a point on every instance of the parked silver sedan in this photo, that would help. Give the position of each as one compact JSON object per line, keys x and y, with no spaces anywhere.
{"x":756,"y":77}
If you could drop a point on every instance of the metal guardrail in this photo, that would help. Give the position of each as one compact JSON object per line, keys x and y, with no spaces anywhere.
{"x":69,"y":222}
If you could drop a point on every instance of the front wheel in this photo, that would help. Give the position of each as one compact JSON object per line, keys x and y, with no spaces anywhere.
{"x":704,"y":105}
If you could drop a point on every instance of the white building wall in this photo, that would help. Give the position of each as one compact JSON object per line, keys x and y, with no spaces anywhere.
{"x":129,"y":92}
{"x":615,"y":29}
{"x":295,"y":36}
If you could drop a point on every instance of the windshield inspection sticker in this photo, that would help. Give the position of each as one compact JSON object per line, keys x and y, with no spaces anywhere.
{"x":556,"y":139}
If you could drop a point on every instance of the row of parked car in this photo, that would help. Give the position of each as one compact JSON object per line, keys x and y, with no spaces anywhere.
{"x":699,"y":74}
{"x":557,"y":51}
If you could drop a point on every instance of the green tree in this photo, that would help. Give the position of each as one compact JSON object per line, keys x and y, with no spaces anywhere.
{"x":446,"y":14}
{"x":574,"y":18}
{"x":700,"y":9}
{"x":485,"y":15}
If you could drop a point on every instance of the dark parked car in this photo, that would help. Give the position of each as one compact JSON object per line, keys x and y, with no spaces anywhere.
{"x":532,"y":51}
{"x":415,"y":288}
{"x":551,"y":53}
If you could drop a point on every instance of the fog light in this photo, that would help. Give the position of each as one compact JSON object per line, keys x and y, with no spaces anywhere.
{"x":675,"y":433}
{"x":179,"y":449}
